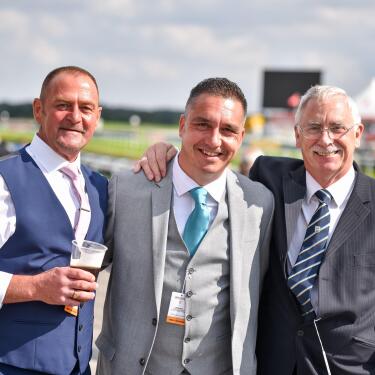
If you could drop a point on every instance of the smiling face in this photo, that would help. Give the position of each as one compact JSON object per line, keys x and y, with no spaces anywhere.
{"x":211,"y":131}
{"x":325,"y":159}
{"x":69,"y":113}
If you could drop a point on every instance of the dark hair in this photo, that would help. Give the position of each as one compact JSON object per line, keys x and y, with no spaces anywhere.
{"x":218,"y":87}
{"x":64,"y":69}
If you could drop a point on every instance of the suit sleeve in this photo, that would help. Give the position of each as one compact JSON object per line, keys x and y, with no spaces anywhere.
{"x":111,"y":217}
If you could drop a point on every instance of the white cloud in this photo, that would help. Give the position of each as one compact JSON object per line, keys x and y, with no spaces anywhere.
{"x":150,"y":53}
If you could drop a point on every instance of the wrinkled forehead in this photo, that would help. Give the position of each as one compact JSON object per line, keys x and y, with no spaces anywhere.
{"x":331,"y":109}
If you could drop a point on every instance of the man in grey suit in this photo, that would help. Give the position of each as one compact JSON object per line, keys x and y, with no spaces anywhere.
{"x":175,"y":306}
{"x":317,"y":309}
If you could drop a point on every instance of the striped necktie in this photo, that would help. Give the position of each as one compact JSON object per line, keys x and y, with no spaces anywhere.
{"x":197,"y":224}
{"x":306,"y":268}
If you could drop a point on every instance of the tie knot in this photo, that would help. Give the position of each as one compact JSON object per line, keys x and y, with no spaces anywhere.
{"x":199,"y":195}
{"x":71,"y":171}
{"x":324,"y":196}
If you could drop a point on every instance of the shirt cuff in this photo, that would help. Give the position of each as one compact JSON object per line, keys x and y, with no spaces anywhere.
{"x":4,"y":283}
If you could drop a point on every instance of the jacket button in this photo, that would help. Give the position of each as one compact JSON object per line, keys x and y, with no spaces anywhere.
{"x":186,"y":361}
{"x":189,"y":293}
{"x":189,"y":317}
{"x":190,"y":271}
{"x":300,"y":332}
{"x":80,"y":327}
{"x":79,"y":348}
{"x":154,"y":322}
{"x":142,"y":361}
{"x":187,"y":339}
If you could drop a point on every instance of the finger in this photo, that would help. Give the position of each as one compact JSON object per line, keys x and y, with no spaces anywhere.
{"x":78,"y":285}
{"x":152,"y":162}
{"x":161,"y":159}
{"x":171,"y":152}
{"x":79,"y":274}
{"x":82,"y":296}
{"x":136,"y":166}
{"x":146,"y":168}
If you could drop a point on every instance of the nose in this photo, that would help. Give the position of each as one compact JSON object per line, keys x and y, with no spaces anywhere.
{"x":214,"y":139}
{"x":325,"y":137}
{"x":75,"y":114}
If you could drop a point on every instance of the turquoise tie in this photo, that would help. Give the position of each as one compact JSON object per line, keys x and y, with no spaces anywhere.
{"x":197,"y":224}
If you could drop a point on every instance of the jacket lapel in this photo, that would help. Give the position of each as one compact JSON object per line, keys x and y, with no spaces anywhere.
{"x":354,"y":214}
{"x":294,"y":188}
{"x":237,"y":219}
{"x":161,"y":205}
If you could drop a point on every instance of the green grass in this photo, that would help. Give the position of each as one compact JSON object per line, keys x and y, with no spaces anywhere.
{"x":119,"y":146}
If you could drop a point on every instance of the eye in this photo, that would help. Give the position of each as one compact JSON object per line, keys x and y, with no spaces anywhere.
{"x":230,"y":130}
{"x":313,"y":129}
{"x":337,"y":129}
{"x":201,"y":125}
{"x":62,"y":106}
{"x":87,"y":109}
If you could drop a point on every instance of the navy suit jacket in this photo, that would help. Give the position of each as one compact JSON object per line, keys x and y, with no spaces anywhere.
{"x":346,"y":283}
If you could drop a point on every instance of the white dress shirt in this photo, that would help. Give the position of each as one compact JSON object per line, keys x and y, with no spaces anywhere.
{"x":340,"y":191}
{"x":49,"y":163}
{"x":183,"y":202}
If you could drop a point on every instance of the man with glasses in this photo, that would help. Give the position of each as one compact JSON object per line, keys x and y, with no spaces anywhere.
{"x":318,"y":303}
{"x":317,"y":311}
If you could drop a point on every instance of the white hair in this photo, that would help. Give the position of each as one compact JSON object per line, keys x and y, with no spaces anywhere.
{"x":320,"y":93}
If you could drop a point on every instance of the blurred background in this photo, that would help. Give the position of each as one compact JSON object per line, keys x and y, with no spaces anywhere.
{"x":147,"y":55}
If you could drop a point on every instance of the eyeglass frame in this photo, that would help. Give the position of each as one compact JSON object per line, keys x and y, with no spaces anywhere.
{"x":325,"y":129}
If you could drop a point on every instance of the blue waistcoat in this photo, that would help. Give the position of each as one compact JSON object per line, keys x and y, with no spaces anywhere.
{"x":35,"y":335}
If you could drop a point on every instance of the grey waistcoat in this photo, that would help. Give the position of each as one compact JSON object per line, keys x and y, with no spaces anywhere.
{"x":203,"y":345}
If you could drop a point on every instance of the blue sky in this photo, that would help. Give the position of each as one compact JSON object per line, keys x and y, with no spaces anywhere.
{"x":149,"y":54}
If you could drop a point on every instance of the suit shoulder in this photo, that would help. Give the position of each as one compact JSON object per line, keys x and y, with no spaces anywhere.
{"x":254,"y":189}
{"x":278,"y":162}
{"x":270,"y":169}
{"x":132,"y":182}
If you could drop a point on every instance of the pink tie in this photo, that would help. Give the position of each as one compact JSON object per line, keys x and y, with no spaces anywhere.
{"x":83,"y":222}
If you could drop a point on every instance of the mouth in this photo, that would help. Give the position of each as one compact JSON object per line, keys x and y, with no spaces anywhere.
{"x":326,"y":153}
{"x":210,"y":154}
{"x":80,"y":131}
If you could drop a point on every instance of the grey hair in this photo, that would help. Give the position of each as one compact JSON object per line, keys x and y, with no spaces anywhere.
{"x":320,"y":92}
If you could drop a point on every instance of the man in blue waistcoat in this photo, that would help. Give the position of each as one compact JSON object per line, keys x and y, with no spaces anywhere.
{"x":38,"y":211}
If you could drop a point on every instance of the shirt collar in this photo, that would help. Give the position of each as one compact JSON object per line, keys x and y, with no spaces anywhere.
{"x":46,"y":158}
{"x":183,"y":183}
{"x":339,"y":190}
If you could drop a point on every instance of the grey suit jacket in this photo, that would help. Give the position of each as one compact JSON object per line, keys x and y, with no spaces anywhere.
{"x":137,"y":237}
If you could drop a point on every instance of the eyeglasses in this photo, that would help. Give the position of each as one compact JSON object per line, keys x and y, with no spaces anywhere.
{"x":316,"y":131}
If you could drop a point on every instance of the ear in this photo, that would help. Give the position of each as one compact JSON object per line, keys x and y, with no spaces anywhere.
{"x":297,"y":136}
{"x":358,"y":134}
{"x":98,"y":115}
{"x":37,"y":110}
{"x":181,"y":126}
